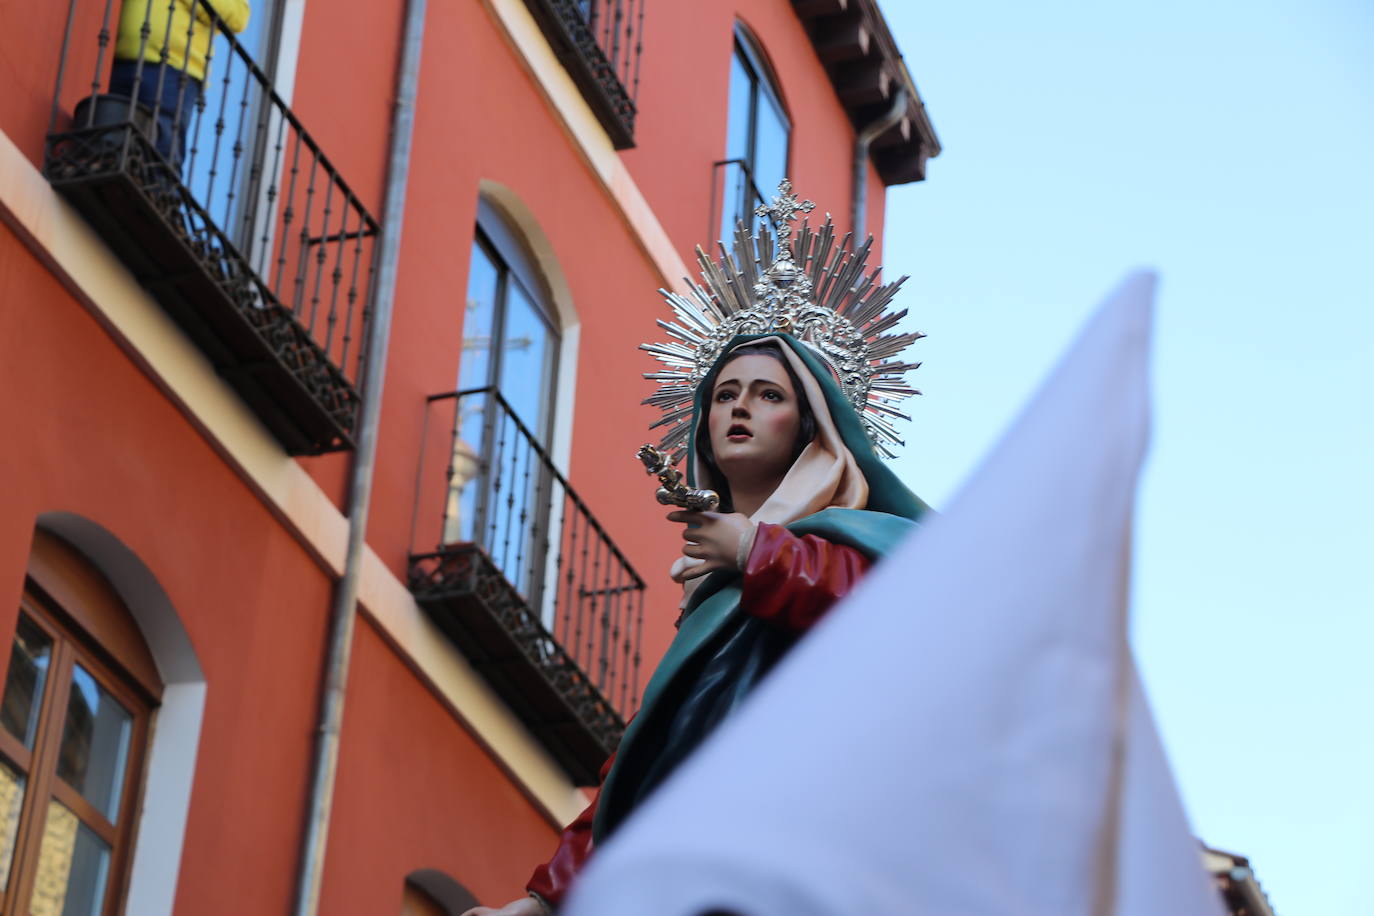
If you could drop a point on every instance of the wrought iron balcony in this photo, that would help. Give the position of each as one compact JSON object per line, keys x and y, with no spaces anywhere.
{"x":204,"y":182}
{"x":599,"y":43}
{"x":524,"y":579}
{"x":734,"y":195}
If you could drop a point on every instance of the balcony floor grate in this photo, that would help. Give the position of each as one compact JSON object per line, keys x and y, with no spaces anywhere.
{"x":469,"y":598}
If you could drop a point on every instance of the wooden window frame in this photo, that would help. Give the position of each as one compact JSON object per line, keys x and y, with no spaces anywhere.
{"x":123,"y":674}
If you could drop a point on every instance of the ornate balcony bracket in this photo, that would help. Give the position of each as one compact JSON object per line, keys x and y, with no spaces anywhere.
{"x":469,"y":598}
{"x":866,"y":68}
{"x":598,"y":42}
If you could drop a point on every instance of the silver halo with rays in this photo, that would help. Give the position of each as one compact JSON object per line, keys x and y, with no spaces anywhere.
{"x":812,"y":289}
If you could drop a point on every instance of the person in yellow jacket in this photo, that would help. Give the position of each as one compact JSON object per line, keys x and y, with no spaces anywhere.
{"x":160,"y":58}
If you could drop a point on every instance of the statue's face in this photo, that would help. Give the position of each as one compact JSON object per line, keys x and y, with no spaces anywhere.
{"x":754,"y":419}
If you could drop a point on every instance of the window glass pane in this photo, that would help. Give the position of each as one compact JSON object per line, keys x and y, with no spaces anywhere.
{"x":95,"y":743}
{"x":223,"y":116}
{"x":737,"y":200}
{"x":526,"y":360}
{"x":11,"y":801}
{"x":732,"y":177}
{"x":526,"y":382}
{"x":770,"y":147}
{"x":474,"y":371}
{"x":474,"y":367}
{"x":254,"y":36}
{"x":460,"y":519}
{"x":212,"y":114}
{"x":737,"y":128}
{"x":24,"y":684}
{"x":512,"y":515}
{"x":73,"y":866}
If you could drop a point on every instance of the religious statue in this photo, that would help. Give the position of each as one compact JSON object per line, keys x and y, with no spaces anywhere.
{"x":778,"y":388}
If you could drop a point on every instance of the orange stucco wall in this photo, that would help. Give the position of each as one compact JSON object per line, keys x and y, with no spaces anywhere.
{"x":93,"y":434}
{"x":95,"y":437}
{"x":481,"y":116}
{"x":415,"y":792}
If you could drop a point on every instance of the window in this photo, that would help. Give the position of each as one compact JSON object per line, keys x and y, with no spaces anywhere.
{"x":510,"y":335}
{"x":756,"y":137}
{"x":74,"y":721}
{"x":500,"y":490}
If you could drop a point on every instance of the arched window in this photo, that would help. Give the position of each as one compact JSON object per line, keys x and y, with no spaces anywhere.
{"x":510,"y":329}
{"x":74,"y":720}
{"x":500,"y":489}
{"x":757,"y":135}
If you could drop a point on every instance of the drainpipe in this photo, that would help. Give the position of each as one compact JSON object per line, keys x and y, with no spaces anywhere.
{"x":858,"y":205}
{"x":364,"y":461}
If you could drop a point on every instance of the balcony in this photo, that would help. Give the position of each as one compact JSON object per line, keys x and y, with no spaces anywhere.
{"x":516,"y":570}
{"x":734,"y":195}
{"x":599,"y":43}
{"x":223,"y":206}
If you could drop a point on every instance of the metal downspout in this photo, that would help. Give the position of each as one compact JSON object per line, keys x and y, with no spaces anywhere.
{"x":364,"y":461}
{"x":858,"y":203}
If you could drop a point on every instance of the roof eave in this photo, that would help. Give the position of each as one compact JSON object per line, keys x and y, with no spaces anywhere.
{"x":865,"y":66}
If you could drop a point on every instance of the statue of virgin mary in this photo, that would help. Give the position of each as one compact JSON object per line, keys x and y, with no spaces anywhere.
{"x":778,"y":389}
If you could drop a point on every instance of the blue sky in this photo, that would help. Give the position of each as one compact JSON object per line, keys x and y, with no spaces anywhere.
{"x":1230,"y":146}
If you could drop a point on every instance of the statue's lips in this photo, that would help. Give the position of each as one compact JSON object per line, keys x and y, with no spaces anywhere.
{"x":738,"y":433}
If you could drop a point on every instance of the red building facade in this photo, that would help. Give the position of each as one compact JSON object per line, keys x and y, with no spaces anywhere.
{"x":184,"y":328}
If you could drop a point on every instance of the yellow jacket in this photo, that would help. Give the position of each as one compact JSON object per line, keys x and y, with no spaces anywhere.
{"x":233,"y":13}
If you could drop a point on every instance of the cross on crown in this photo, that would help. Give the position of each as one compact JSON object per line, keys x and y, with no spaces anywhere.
{"x":782,"y":211}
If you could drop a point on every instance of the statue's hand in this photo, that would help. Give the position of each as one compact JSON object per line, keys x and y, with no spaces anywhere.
{"x":719,"y":540}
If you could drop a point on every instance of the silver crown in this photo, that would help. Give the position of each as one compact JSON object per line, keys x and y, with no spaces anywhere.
{"x":818,"y":293}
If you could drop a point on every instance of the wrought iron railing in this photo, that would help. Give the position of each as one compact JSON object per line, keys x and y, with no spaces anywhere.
{"x":734,"y":194}
{"x":178,"y":109}
{"x":599,"y":43}
{"x":494,"y":514}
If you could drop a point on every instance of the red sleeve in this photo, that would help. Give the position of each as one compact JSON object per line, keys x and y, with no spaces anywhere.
{"x":791,"y":581}
{"x":553,"y":879}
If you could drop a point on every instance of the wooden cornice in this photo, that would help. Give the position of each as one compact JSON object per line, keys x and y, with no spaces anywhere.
{"x":866,"y":69}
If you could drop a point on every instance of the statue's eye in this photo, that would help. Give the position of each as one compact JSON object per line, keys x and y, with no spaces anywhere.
{"x":725,"y":394}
